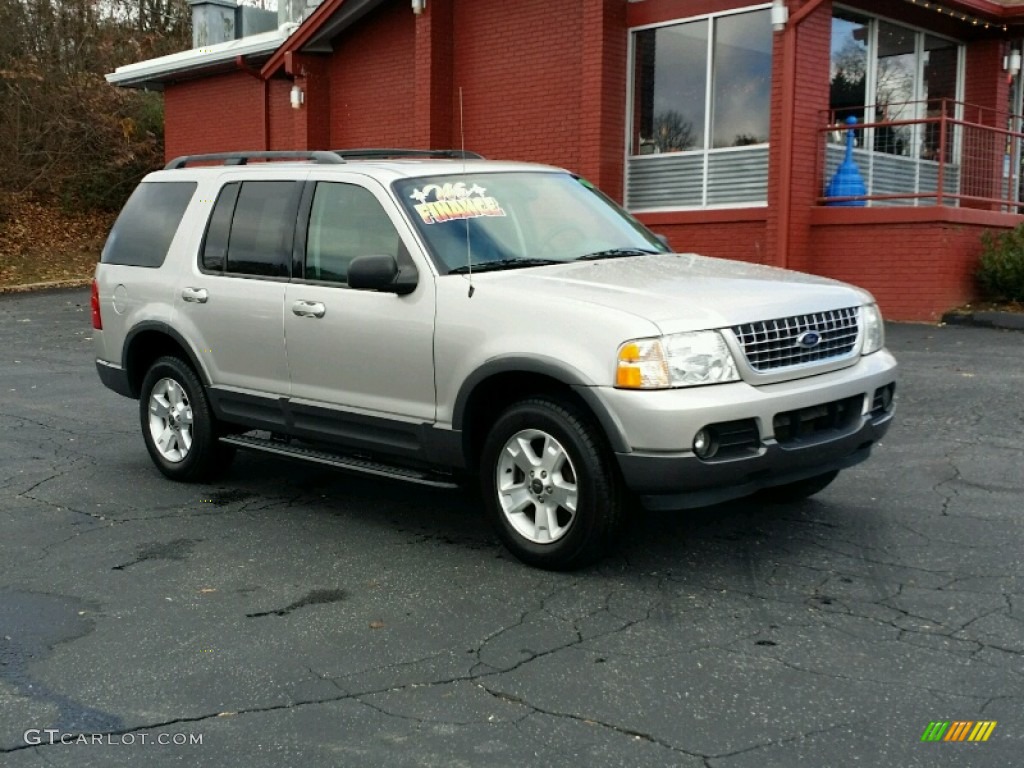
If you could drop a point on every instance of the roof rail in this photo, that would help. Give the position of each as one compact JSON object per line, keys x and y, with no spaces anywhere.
{"x":319,"y":157}
{"x":378,"y":153}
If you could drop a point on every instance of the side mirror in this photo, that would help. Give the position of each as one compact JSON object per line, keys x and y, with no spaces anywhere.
{"x":380,"y":272}
{"x":663,"y":239}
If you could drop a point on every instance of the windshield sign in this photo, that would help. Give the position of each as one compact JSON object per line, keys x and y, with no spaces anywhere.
{"x":488,"y":221}
{"x":439,"y":203}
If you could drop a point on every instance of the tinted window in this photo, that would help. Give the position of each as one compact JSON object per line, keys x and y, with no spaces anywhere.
{"x":260,"y":241}
{"x":346,"y":221}
{"x":143,"y":231}
{"x":215,"y":244}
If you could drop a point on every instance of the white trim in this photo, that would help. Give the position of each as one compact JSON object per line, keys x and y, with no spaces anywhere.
{"x":697,"y":208}
{"x":891,"y":20}
{"x":694,"y":152}
{"x":709,"y":73}
{"x":701,"y":17}
{"x":152,"y":70}
{"x":628,"y":138}
{"x":917,"y":134}
{"x":630,"y":156}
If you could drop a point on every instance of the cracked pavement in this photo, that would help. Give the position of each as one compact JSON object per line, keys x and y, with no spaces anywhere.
{"x":296,"y":616}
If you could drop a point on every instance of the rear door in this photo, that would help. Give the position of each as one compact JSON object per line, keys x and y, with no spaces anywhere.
{"x":230,"y":303}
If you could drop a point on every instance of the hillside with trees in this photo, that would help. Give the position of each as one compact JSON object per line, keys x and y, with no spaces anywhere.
{"x":74,"y":146}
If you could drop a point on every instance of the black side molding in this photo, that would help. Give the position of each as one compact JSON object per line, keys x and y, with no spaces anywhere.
{"x":116,"y":379}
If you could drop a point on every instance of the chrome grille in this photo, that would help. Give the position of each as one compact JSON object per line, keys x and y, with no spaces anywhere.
{"x":773,"y":344}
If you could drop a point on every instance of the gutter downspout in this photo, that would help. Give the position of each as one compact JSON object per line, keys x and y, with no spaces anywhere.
{"x":242,"y":65}
{"x":788,"y":118}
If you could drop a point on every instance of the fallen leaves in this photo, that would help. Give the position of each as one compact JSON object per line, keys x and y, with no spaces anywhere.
{"x":41,"y":243}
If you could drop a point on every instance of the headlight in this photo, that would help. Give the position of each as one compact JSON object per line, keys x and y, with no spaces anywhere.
{"x":874,"y":329}
{"x":679,"y":360}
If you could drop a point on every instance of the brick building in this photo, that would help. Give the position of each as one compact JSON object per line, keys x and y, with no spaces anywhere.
{"x":719,"y":123}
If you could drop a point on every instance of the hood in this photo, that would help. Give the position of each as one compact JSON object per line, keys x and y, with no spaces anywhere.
{"x":684,"y":292}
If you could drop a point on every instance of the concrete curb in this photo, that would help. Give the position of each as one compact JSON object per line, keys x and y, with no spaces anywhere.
{"x":1013,"y":321}
{"x":54,"y":285}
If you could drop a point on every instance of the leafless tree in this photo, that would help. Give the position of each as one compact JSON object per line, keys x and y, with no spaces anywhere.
{"x":673,"y":132}
{"x":68,"y":134}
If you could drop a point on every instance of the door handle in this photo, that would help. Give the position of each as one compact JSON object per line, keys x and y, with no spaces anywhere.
{"x":195,"y":295}
{"x":309,"y":309}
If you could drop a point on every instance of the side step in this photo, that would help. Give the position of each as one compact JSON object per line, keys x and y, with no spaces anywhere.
{"x":363,"y":466}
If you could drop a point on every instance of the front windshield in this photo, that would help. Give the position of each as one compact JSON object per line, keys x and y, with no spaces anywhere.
{"x":484,"y":220}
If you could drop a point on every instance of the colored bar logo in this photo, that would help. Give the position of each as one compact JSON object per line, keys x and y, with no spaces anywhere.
{"x":958,"y":730}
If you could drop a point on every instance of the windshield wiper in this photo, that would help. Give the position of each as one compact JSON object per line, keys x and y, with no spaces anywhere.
{"x":615,"y":253}
{"x":489,"y":266}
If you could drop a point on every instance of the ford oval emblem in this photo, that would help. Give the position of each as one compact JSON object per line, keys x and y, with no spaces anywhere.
{"x":808,"y":339}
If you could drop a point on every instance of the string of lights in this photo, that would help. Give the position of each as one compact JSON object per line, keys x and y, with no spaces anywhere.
{"x":953,"y":14}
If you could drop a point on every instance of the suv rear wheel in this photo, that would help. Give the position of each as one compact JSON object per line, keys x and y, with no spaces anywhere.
{"x":178,"y":424}
{"x":550,"y":486}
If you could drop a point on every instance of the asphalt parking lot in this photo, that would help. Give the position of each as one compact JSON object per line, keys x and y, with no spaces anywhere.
{"x":294,"y":616}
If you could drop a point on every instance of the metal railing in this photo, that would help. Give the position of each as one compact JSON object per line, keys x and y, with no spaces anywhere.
{"x":948,"y":153}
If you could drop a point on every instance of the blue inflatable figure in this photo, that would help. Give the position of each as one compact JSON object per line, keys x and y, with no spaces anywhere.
{"x":847,"y":181}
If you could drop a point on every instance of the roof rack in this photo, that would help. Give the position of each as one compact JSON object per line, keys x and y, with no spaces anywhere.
{"x":319,"y":157}
{"x":375,"y":153}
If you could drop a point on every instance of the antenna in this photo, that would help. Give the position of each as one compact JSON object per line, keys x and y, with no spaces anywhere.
{"x":469,"y":248}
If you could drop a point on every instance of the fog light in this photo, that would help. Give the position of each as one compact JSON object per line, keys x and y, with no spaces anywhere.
{"x":887,"y":397}
{"x":883,"y":399}
{"x":704,"y":444}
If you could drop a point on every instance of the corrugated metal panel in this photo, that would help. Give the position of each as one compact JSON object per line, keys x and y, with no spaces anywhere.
{"x":665,"y":181}
{"x":738,"y":177}
{"x":677,"y":180}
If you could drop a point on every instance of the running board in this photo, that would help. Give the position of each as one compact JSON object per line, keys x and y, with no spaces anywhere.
{"x":363,"y":466}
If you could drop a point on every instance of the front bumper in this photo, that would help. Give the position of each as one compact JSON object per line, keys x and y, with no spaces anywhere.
{"x":663,"y":470}
{"x":659,"y":479}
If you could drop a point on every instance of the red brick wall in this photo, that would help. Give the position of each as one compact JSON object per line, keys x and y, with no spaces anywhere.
{"x":917,"y":269}
{"x":727,"y":234}
{"x":813,"y":39}
{"x":434,"y":108}
{"x":743,"y":241}
{"x":281,"y":116}
{"x":603,"y":50}
{"x":984,"y":86}
{"x":215,"y":114}
{"x":519,"y":67}
{"x":985,"y":82}
{"x":644,"y":12}
{"x":372,"y":76}
{"x":311,"y":124}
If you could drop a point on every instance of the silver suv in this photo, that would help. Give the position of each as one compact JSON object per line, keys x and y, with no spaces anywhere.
{"x":434,"y":318}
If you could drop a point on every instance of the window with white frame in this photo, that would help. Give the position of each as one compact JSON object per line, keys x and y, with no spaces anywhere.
{"x":883,"y":72}
{"x":699,"y":112}
{"x":899,"y":81}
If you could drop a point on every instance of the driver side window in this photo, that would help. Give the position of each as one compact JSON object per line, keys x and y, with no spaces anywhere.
{"x":346,"y":221}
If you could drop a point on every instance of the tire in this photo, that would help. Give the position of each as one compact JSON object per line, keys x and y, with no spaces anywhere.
{"x":570,"y":512}
{"x":801,"y":489}
{"x":178,"y":425}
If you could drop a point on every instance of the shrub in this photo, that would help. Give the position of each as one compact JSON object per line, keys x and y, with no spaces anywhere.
{"x":1001,"y":269}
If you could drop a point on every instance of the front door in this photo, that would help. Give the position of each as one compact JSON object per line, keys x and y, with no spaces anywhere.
{"x":361,"y":362}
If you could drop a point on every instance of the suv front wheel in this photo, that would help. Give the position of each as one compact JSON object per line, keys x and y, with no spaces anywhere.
{"x":550,"y":486}
{"x":178,"y":424}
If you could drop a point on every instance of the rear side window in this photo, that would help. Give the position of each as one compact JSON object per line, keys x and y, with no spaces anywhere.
{"x":215,"y":244}
{"x":251,"y":229}
{"x":146,"y":225}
